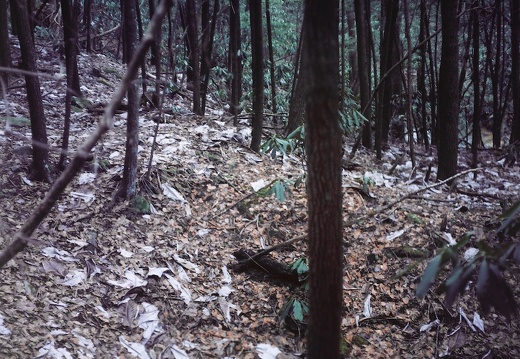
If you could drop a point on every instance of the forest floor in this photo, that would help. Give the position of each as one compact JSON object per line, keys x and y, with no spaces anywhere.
{"x":103,"y":281}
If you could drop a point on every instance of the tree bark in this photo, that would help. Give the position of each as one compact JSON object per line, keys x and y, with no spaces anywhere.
{"x":257,"y":63}
{"x":447,"y":150}
{"x":515,"y":70}
{"x":363,"y":53}
{"x":39,"y":170}
{"x":323,"y":138}
{"x":128,"y":186}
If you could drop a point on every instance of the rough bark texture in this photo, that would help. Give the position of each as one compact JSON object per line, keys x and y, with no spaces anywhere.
{"x":235,"y":57}
{"x":5,"y":49}
{"x":193,"y":36}
{"x":128,"y":187}
{"x":257,"y":63}
{"x":447,"y":149}
{"x":324,"y":179}
{"x":515,"y":72}
{"x":363,"y":53}
{"x":389,"y":57}
{"x":40,"y":162}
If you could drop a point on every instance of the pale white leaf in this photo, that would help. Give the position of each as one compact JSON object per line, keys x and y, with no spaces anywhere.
{"x":225,"y":291}
{"x":396,"y":234}
{"x":258,"y":185}
{"x":367,"y":308}
{"x":27,"y":181}
{"x":86,"y":177}
{"x":172,"y":193}
{"x":102,"y":311}
{"x":186,"y":264}
{"x":50,"y":351}
{"x":470,"y":253}
{"x":3,"y":329}
{"x":429,"y":325}
{"x":227,"y":276}
{"x":85,"y":343}
{"x":184,"y":292}
{"x":267,"y":351}
{"x":58,"y":253}
{"x":86,"y":197}
{"x":147,"y":249}
{"x":478,"y":322}
{"x":178,"y":353}
{"x":182,"y":274}
{"x":125,"y":253}
{"x":463,"y":315}
{"x":74,"y":278}
{"x":226,"y":307}
{"x":135,"y":349}
{"x":157,"y":271}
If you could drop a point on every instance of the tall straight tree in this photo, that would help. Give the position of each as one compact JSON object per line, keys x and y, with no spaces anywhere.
{"x":390,"y":87}
{"x":193,"y":41}
{"x":363,"y":54}
{"x":323,"y":136}
{"x":235,"y":57}
{"x":257,"y":63}
{"x":5,"y":49}
{"x":39,"y":170}
{"x":447,"y":125}
{"x":515,"y":70}
{"x":128,"y":187}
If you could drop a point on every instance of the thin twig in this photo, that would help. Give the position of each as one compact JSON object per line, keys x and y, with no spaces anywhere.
{"x":21,"y":238}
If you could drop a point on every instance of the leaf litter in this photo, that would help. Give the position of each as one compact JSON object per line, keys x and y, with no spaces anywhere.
{"x":105,"y":283}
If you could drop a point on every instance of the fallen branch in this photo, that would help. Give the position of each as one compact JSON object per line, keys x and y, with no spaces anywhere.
{"x":22,"y":237}
{"x":409,"y":195}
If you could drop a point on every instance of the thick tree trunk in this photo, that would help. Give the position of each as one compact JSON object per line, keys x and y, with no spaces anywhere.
{"x":5,"y":49}
{"x":515,"y":72}
{"x":128,"y":187}
{"x":39,"y":170}
{"x":363,"y":53}
{"x":323,"y":138}
{"x":447,"y":149}
{"x":257,"y":63}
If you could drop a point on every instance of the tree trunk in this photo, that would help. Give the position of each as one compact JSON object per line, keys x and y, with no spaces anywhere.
{"x":476,"y":137}
{"x":5,"y":49}
{"x":271,"y":56}
{"x":447,"y":150}
{"x":515,"y":70}
{"x":39,"y":170}
{"x":297,"y":102}
{"x":70,"y":35}
{"x":324,"y":192}
{"x":389,"y":56}
{"x":207,"y":52}
{"x":128,"y":186}
{"x":363,"y":53}
{"x":194,"y":62}
{"x":235,"y":58}
{"x":257,"y":63}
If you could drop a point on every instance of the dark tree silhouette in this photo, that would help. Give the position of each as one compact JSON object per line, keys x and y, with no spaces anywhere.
{"x":128,"y":186}
{"x":5,"y":49}
{"x":515,"y":69}
{"x":257,"y":63}
{"x":447,"y":150}
{"x":235,"y":58}
{"x":39,"y":170}
{"x":363,"y":54}
{"x":323,"y":138}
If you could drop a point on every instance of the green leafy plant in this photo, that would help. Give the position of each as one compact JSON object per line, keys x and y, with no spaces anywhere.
{"x":294,"y":312}
{"x":300,"y":268}
{"x":279,"y":187}
{"x":491,"y":287}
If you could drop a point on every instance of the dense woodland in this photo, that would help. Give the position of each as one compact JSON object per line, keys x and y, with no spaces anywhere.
{"x":272,"y":179}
